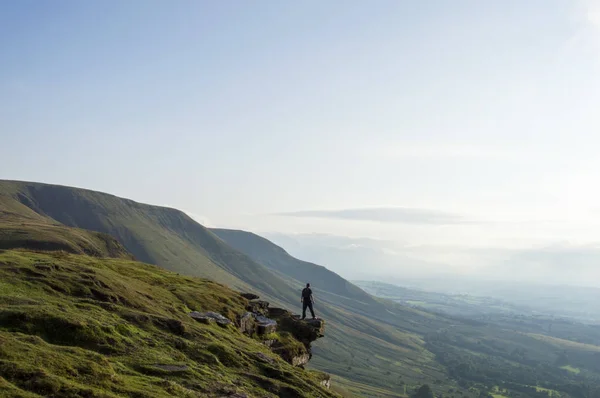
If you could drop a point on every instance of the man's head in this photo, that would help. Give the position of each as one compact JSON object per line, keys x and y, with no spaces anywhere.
{"x":308,"y":285}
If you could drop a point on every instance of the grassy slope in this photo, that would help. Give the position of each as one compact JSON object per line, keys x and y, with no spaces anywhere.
{"x":21,"y":227}
{"x":74,"y":326}
{"x":153,"y":234}
{"x":370,"y":343}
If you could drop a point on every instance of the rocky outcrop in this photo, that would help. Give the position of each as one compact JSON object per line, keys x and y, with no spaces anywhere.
{"x":289,"y":336}
{"x":326,"y":382}
{"x":285,"y":333}
{"x":250,"y":296}
{"x":247,"y":323}
{"x":304,"y":331}
{"x":300,"y":360}
{"x":265,"y":325}
{"x":258,"y":307}
{"x":210,"y":317}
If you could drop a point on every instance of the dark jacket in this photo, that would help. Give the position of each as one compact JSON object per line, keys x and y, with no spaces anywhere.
{"x":307,"y":295}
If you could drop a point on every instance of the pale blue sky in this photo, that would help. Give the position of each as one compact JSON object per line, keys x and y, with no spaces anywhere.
{"x":480,"y":110}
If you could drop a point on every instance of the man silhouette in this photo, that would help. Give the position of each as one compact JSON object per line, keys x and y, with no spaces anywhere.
{"x":307,"y":300}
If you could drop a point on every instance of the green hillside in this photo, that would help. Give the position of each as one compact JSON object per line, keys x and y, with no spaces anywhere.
{"x":357,"y":343}
{"x":153,"y":234}
{"x":21,"y":227}
{"x":80,"y":326}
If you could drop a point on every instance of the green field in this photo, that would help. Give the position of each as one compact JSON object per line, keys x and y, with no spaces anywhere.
{"x":571,"y":369}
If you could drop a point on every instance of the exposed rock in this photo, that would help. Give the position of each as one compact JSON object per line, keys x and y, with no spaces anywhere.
{"x":278,"y":312}
{"x":265,"y":325}
{"x":258,"y":307}
{"x":201,"y":318}
{"x":300,"y":360}
{"x":209,"y":317}
{"x":247,"y":323}
{"x":291,"y":350}
{"x":250,"y":296}
{"x":263,"y":320}
{"x":223,"y":323}
{"x":264,"y":358}
{"x":307,"y":330}
{"x":326,"y":382}
{"x":269,"y":343}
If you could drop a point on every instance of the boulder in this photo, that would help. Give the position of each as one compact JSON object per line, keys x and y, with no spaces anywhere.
{"x":278,"y":312}
{"x":210,"y":317}
{"x":201,"y":318}
{"x":306,"y":331}
{"x":250,"y":296}
{"x":291,"y":350}
{"x":247,"y":323}
{"x":258,"y":307}
{"x":265,"y":325}
{"x":300,"y":360}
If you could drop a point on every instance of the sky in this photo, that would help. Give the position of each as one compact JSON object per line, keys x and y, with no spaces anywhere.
{"x":463,"y":133}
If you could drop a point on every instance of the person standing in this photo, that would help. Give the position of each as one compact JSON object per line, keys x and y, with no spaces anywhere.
{"x":307,"y":301}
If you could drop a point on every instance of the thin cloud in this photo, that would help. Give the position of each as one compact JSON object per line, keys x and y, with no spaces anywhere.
{"x":401,"y":215}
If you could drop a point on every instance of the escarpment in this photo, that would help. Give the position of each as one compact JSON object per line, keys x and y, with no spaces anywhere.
{"x":283,"y":332}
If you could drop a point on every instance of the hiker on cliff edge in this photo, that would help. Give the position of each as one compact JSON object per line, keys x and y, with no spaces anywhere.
{"x":307,"y":300}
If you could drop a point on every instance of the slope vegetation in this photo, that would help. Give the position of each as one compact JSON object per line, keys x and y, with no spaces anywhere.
{"x":21,"y":227}
{"x":81,"y":326}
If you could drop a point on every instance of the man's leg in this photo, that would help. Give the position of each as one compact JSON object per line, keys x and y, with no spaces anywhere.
{"x":312,"y":312}
{"x":304,"y":305}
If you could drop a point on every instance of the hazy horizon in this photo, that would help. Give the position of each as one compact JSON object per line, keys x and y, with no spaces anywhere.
{"x":436,"y":137}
